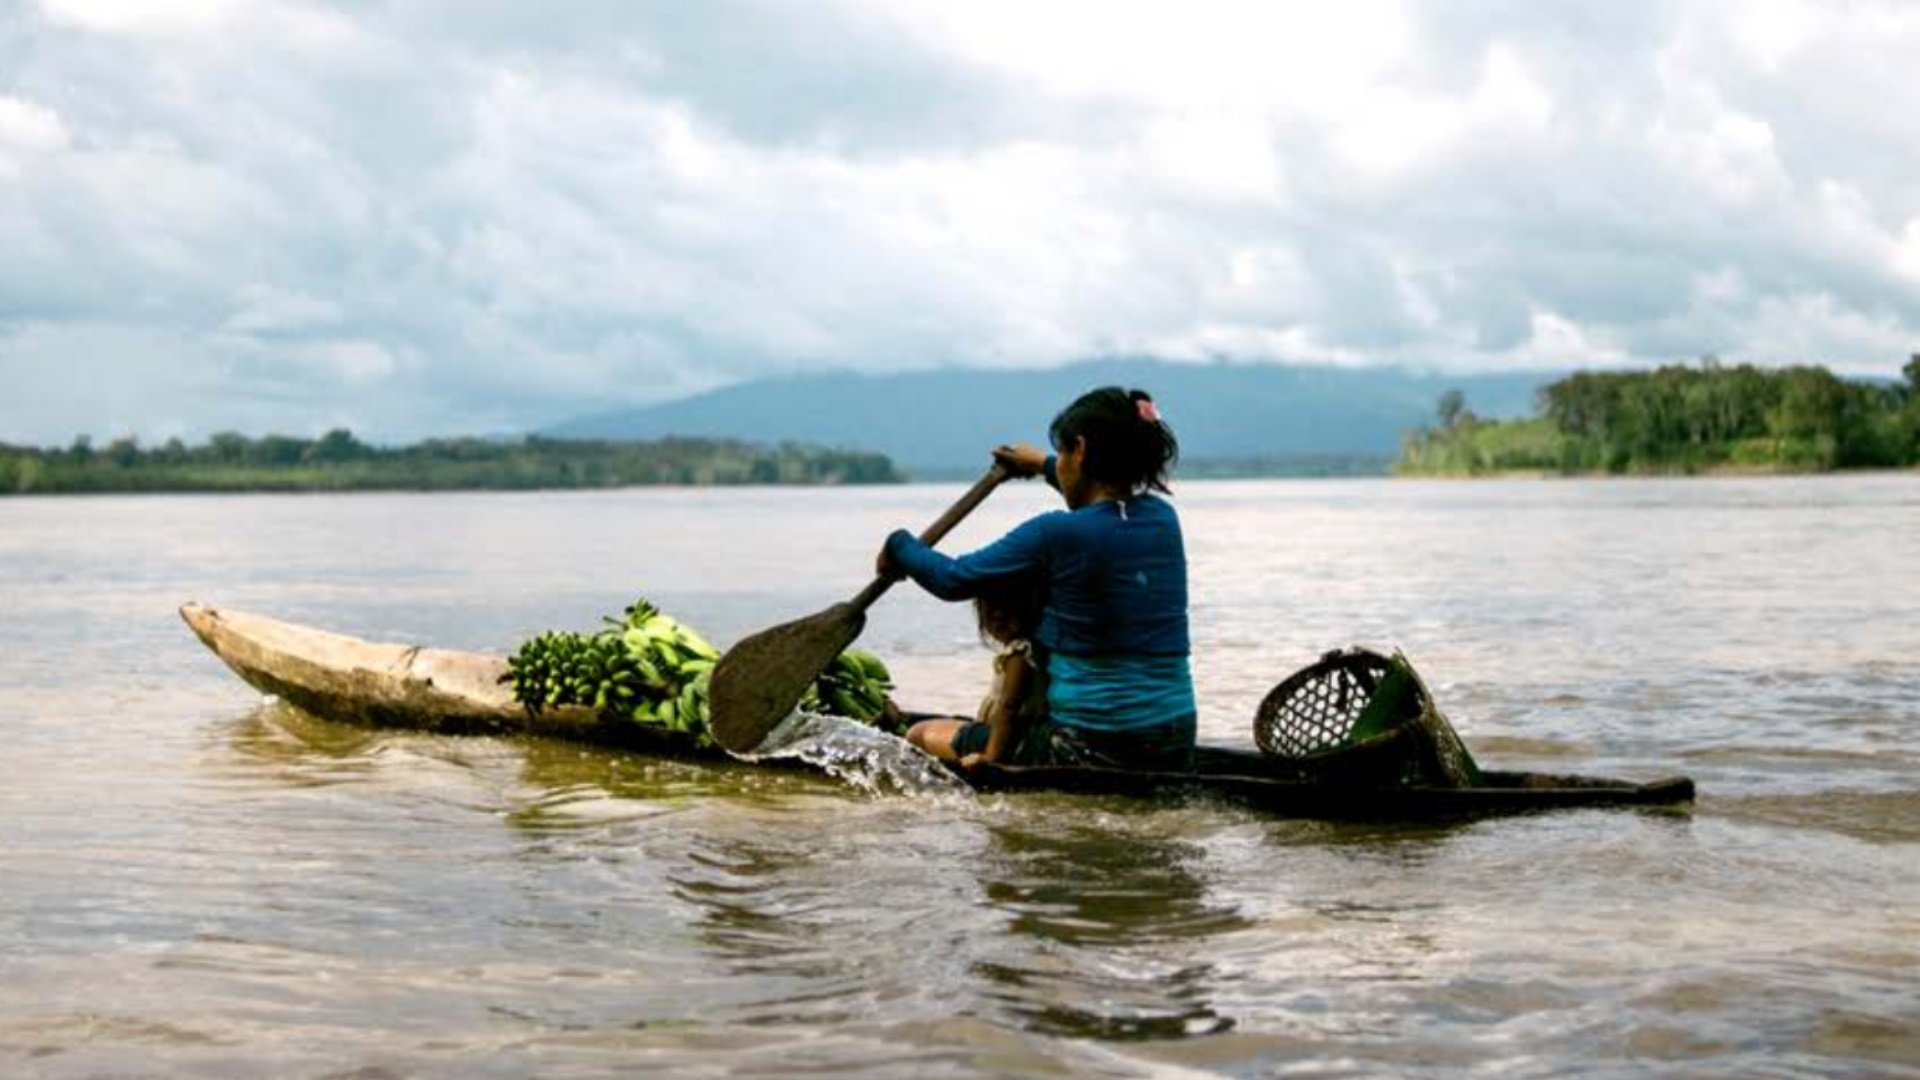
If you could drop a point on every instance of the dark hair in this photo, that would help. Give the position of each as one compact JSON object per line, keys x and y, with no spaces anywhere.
{"x":1009,"y":612}
{"x":1128,"y":445}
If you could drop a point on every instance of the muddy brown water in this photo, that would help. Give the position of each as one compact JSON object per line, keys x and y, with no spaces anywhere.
{"x":194,"y":882}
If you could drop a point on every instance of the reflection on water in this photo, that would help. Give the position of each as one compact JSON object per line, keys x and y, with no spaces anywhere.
{"x":302,"y":750}
{"x":761,"y":927}
{"x":1109,"y":933}
{"x":196,"y":884}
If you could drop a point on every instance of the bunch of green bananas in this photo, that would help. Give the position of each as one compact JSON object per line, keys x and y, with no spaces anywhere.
{"x":855,"y":686}
{"x":649,"y":668}
{"x":557,"y":669}
{"x":674,"y":665}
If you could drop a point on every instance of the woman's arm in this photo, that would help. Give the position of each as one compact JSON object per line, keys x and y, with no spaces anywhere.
{"x":1021,"y":553}
{"x":1024,"y":461}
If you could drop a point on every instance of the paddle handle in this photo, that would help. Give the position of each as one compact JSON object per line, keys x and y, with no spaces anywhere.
{"x":941,"y":526}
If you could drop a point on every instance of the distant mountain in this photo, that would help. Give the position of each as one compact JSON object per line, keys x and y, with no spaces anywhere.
{"x":1228,"y":417}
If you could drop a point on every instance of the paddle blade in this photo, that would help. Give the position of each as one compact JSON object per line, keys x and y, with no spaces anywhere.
{"x":759,"y":681}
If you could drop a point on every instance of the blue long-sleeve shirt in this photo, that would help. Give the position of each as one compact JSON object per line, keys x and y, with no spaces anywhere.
{"x":1115,"y":575}
{"x":1114,"y":626}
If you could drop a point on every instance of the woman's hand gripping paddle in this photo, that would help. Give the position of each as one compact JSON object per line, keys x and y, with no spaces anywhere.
{"x":759,"y":681}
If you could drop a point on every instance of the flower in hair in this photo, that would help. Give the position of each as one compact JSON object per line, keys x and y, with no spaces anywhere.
{"x":1148,"y":410}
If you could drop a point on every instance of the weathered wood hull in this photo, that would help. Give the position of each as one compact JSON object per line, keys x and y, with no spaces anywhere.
{"x":449,"y":692}
{"x":397,"y":686}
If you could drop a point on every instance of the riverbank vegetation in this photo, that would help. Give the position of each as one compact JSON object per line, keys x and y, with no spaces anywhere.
{"x":337,"y":461}
{"x":1683,"y":419}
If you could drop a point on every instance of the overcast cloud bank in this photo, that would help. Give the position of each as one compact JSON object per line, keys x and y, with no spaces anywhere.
{"x":450,"y":216}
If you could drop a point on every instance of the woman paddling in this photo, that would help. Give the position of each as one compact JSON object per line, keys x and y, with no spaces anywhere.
{"x":1113,"y":569}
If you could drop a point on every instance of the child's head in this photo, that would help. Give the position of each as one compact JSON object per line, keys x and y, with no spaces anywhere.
{"x":1128,"y":446}
{"x":1008,"y":613}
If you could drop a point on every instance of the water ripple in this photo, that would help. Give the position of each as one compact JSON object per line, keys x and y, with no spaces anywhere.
{"x":199,"y":884}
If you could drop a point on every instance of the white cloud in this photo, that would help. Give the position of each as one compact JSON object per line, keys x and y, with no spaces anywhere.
{"x":1816,"y":327}
{"x":208,"y":24}
{"x":1309,"y":58}
{"x":1906,"y":257}
{"x":1557,"y":340}
{"x":1215,"y":154}
{"x":265,"y":309}
{"x":249,"y":214}
{"x":1722,"y":152}
{"x":27,"y":131}
{"x":142,"y":16}
{"x":29,"y":127}
{"x":1772,"y":31}
{"x":1508,"y":92}
{"x":355,"y":362}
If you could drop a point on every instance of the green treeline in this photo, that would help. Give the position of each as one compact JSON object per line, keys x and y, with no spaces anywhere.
{"x":339,"y":462}
{"x":1681,"y":419}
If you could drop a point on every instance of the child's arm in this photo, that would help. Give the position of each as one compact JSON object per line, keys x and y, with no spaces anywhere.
{"x":1003,"y":714}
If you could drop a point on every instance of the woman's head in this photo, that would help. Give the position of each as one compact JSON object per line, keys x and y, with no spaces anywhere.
{"x":1127,"y":446}
{"x":1009,"y":613}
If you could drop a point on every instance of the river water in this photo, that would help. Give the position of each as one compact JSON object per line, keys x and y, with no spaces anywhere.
{"x":197,"y":883}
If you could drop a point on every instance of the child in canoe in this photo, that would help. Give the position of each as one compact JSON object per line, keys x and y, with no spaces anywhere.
{"x":1112,"y":567}
{"x":1008,"y":618}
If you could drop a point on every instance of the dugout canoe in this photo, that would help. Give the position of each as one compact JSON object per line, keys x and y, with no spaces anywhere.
{"x":445,"y":691}
{"x":380,"y":684}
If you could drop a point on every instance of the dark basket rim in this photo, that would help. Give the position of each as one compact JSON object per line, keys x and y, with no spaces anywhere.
{"x":1353,"y":657}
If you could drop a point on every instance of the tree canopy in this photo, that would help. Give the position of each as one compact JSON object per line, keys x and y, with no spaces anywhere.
{"x":337,"y":461}
{"x":1682,"y":418}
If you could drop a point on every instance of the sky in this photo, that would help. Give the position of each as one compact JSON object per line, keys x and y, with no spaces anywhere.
{"x":423,"y":217}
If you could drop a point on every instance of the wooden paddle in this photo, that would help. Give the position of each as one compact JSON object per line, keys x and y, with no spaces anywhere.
{"x":759,"y":681}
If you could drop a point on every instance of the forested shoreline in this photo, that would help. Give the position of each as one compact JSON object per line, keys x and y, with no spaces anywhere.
{"x":1683,"y":419}
{"x":337,"y":461}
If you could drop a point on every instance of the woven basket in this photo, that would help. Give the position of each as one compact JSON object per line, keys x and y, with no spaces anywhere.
{"x":1320,"y":722}
{"x":1315,"y":708}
